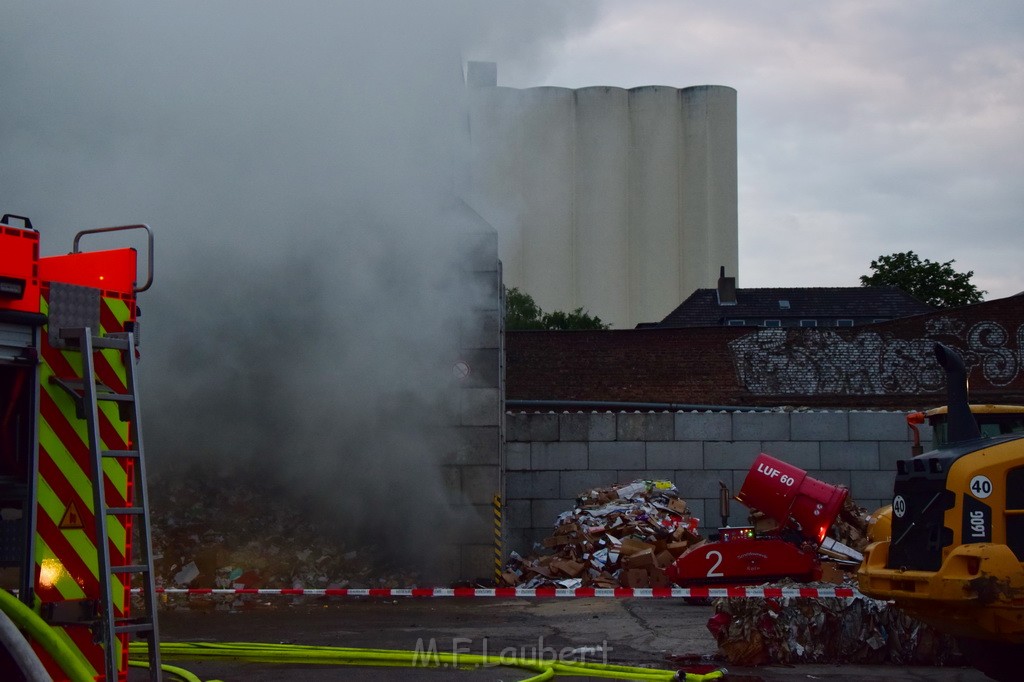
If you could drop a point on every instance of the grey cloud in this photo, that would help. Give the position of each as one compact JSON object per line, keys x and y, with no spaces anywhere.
{"x":893,"y":125}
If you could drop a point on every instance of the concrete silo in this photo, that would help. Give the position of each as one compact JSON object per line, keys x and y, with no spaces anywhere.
{"x":618,"y":201}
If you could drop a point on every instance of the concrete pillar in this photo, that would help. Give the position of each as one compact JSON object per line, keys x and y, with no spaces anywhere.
{"x":708,"y":187}
{"x":602,"y":202}
{"x":496,"y":163}
{"x":547,"y":140}
{"x":653,"y":226}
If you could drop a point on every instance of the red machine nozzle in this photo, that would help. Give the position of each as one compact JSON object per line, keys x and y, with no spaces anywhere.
{"x":787,"y":494}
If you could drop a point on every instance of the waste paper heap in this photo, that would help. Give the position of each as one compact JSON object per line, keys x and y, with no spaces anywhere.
{"x":228,"y":533}
{"x":621,"y":535}
{"x":825,"y":630}
{"x":851,"y":526}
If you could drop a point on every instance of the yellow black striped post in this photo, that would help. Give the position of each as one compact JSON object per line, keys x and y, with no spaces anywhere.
{"x":498,"y":545}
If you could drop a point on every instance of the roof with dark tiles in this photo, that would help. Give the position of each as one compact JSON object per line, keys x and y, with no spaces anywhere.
{"x":702,"y":308}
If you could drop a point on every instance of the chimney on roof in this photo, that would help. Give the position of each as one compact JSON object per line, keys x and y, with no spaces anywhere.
{"x":726,"y":289}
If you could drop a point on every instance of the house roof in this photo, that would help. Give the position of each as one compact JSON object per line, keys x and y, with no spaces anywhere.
{"x":702,"y":308}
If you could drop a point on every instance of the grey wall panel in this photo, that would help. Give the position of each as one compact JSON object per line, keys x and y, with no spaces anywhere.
{"x":700,"y":454}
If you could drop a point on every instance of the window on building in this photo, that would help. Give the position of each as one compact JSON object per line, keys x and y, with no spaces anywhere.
{"x":773,"y":323}
{"x":783,"y":304}
{"x":808,"y":323}
{"x":844,"y":323}
{"x":880,"y":319}
{"x":737,"y":323}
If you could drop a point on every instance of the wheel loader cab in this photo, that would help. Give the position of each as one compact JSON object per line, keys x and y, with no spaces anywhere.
{"x":993,"y":420}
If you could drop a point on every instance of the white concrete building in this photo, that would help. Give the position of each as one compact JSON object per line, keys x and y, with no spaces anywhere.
{"x":622,"y":202}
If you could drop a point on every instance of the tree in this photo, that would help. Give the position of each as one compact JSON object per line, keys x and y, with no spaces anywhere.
{"x":936,"y":284}
{"x":522,"y":312}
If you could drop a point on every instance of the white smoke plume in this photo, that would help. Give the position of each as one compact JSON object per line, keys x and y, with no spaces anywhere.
{"x":300,"y":164}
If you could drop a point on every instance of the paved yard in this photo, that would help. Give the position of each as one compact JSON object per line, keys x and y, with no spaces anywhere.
{"x":637,"y":632}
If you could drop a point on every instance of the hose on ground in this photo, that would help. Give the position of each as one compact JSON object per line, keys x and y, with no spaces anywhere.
{"x":326,"y":655}
{"x":69,"y":660}
{"x":181,"y":673}
{"x":21,"y":651}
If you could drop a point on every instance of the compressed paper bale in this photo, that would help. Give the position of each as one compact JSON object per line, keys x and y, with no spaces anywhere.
{"x":802,"y":630}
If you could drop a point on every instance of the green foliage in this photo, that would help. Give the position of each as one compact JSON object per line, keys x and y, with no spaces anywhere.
{"x":521,"y":312}
{"x":936,"y":284}
{"x":577,"y":319}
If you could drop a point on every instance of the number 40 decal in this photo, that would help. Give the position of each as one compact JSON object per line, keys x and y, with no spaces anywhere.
{"x":981,"y":487}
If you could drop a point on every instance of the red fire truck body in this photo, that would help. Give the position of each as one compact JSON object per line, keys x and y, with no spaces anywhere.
{"x":71,"y":502}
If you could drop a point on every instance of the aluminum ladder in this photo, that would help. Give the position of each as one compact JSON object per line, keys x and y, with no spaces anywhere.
{"x":91,"y":392}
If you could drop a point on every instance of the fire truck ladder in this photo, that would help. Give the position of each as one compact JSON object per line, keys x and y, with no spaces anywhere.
{"x":91,"y":391}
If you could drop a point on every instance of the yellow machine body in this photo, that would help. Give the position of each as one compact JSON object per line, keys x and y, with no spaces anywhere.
{"x":977,"y":587}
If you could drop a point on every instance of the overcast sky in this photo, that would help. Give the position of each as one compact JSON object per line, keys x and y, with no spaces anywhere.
{"x":865,"y":127}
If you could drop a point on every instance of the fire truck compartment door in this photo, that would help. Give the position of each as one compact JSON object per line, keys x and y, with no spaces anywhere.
{"x":15,"y":339}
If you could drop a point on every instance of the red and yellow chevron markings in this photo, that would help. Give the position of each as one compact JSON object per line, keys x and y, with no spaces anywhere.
{"x":66,"y":555}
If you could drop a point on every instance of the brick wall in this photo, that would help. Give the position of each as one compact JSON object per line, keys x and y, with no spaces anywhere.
{"x":883,"y":366}
{"x":552,"y":457}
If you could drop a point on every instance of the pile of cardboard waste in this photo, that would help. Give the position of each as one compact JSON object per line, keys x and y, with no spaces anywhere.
{"x":622,"y":535}
{"x":825,"y":630}
{"x":852,"y":525}
{"x":229,"y":533}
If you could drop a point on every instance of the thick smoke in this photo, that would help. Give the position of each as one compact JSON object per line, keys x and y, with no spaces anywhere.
{"x":301,"y":164}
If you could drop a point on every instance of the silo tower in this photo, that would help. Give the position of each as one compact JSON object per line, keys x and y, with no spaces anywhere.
{"x":620,"y":201}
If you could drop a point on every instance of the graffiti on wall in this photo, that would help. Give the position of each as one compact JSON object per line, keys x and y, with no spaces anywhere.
{"x":813,"y":361}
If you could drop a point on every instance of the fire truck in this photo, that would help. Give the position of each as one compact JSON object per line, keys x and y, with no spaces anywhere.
{"x":74,"y":516}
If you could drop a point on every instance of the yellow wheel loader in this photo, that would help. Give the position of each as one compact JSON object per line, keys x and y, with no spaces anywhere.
{"x":953,"y":556}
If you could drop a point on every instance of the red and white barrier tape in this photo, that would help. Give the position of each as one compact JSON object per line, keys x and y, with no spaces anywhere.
{"x":514,"y":592}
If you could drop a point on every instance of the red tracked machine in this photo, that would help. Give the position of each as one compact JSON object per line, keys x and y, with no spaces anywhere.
{"x":803,"y":509}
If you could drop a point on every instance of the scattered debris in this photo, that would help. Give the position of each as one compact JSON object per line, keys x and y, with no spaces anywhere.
{"x":186,"y":575}
{"x":623,"y":535}
{"x":226,"y":533}
{"x":825,"y":630}
{"x":851,"y":526}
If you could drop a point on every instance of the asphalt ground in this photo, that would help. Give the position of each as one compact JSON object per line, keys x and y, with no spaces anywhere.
{"x":652,"y":633}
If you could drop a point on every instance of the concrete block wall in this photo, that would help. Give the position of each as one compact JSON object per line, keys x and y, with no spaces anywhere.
{"x":550,"y":458}
{"x":471,"y":443}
